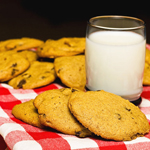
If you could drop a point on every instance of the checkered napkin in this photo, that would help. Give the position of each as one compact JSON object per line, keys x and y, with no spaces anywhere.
{"x":21,"y":136}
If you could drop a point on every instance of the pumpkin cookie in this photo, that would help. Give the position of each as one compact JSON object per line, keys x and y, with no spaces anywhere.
{"x":39,"y":74}
{"x":108,"y":115}
{"x":71,"y":71}
{"x":62,"y":47}
{"x":146,"y":76}
{"x":54,"y":112}
{"x":11,"y":65}
{"x":20,"y":44}
{"x":27,"y":113}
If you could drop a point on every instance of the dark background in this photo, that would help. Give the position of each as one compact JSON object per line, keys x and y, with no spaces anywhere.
{"x":44,"y":19}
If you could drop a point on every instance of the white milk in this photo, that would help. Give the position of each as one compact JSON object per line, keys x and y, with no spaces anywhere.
{"x":115,"y":62}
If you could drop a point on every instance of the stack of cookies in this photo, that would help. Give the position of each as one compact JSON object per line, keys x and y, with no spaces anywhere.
{"x":91,"y":113}
{"x":21,"y":67}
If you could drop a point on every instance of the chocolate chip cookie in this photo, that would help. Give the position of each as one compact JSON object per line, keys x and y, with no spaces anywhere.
{"x":27,"y":113}
{"x":62,"y":47}
{"x":71,"y":71}
{"x":39,"y":74}
{"x":108,"y":115}
{"x":20,"y":44}
{"x":11,"y":65}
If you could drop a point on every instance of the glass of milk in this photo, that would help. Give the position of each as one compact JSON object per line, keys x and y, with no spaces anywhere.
{"x":115,"y":55}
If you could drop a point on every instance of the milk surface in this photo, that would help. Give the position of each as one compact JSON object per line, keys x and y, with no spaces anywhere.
{"x":115,"y":62}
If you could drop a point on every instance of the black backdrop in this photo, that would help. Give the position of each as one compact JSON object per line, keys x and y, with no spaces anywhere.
{"x":46,"y":19}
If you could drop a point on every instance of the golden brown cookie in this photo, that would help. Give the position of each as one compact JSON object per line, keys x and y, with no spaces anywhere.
{"x":27,"y":113}
{"x":11,"y":65}
{"x":54,"y":112}
{"x":71,"y":71}
{"x":62,"y":47}
{"x":108,"y":115}
{"x":146,"y":76}
{"x":39,"y":74}
{"x":20,"y":44}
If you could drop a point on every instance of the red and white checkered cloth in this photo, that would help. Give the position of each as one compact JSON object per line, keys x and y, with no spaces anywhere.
{"x":21,"y":136}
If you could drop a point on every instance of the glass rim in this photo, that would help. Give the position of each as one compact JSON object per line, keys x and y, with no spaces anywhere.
{"x":117,"y":17}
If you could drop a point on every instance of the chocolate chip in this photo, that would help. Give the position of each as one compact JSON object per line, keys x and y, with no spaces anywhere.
{"x":66,"y":43}
{"x":29,"y":76}
{"x":14,"y":65}
{"x":136,"y":135}
{"x":78,"y":133}
{"x":23,"y":81}
{"x":14,"y":71}
{"x":44,"y":115}
{"x":43,"y":77}
{"x":73,"y":90}
{"x":118,"y":116}
{"x":20,"y":51}
{"x":25,"y":75}
{"x":59,"y":70}
{"x":128,"y":109}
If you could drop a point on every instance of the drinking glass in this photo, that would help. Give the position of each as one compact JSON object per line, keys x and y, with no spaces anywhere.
{"x":115,"y":55}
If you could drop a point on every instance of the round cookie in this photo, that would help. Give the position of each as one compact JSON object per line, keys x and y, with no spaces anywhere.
{"x":54,"y":112}
{"x":27,"y":113}
{"x":20,"y":44}
{"x":11,"y":65}
{"x":71,"y":71}
{"x":108,"y":115}
{"x":39,"y":74}
{"x":62,"y":47}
